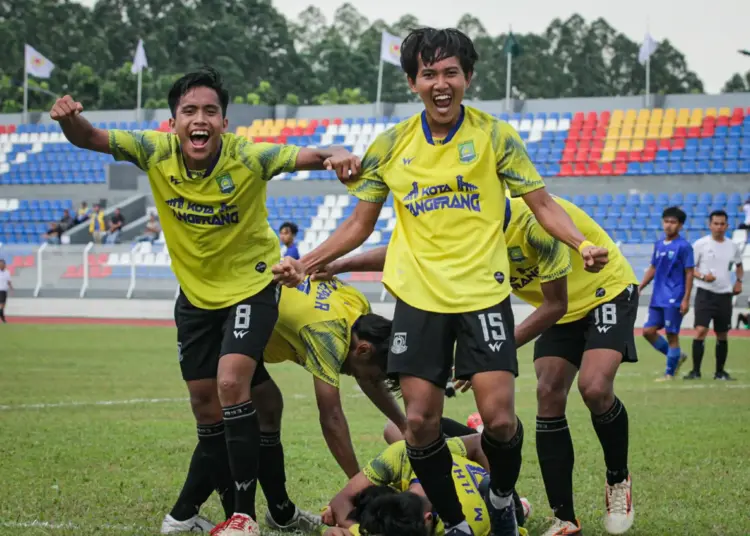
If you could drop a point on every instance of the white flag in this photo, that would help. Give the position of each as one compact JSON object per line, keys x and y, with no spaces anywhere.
{"x":390,"y":49}
{"x":647,"y":48}
{"x":36,"y":64}
{"x":140,"y":61}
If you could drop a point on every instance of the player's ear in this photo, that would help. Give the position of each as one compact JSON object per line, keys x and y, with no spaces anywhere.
{"x":469,"y":77}
{"x":412,"y":84}
{"x":225,"y":123}
{"x":172,"y":125}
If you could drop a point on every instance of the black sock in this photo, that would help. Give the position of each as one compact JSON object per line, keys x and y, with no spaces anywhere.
{"x":213,"y":444}
{"x":554,"y":447}
{"x":272,"y":477}
{"x":505,"y":461}
{"x":197,"y":488}
{"x":722,"y":349}
{"x":698,"y":347}
{"x":433,"y":466}
{"x":243,"y":446}
{"x":2,"y":313}
{"x":612,"y":429}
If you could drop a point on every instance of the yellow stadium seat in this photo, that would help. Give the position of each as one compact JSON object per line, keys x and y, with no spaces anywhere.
{"x":617,"y":115}
{"x":610,"y":145}
{"x":631,"y":114}
{"x":653,"y":131}
{"x":725,"y":112}
{"x":657,"y":116}
{"x":696,"y":118}
{"x":267,"y":123}
{"x":242,"y":131}
{"x":302,"y":123}
{"x":291,"y":123}
{"x":623,"y":145}
{"x":608,"y":155}
{"x":710,"y":112}
{"x":640,"y":132}
{"x":613,"y":132}
{"x":626,"y":133}
{"x":637,"y":145}
{"x":670,"y":112}
{"x":279,"y":123}
{"x":264,"y":132}
{"x":666,"y":131}
{"x":643,"y":116}
{"x":257,"y":123}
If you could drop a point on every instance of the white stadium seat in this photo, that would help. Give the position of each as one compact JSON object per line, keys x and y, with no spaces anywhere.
{"x":3,"y":205}
{"x":326,"y":139}
{"x":375,"y":238}
{"x":379,"y":127}
{"x":342,"y":200}
{"x":302,"y":175}
{"x":514,"y":124}
{"x":550,"y":125}
{"x":336,"y":213}
{"x":355,"y":129}
{"x":391,"y":224}
{"x":330,"y":225}
{"x":329,"y":200}
{"x":386,"y":213}
{"x":124,"y":259}
{"x":323,"y":212}
{"x":113,"y":259}
{"x":162,"y":259}
{"x":317,"y":224}
{"x":563,"y":125}
{"x":149,"y":259}
{"x":525,"y":125}
{"x":12,"y":205}
{"x":368,"y":128}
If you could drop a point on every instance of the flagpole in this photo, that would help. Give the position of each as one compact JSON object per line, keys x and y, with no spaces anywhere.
{"x":138,"y":99}
{"x":508,"y":68}
{"x":25,"y":88}
{"x":378,"y":112}
{"x":648,"y":81}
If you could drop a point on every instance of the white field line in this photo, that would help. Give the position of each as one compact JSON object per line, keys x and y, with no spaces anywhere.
{"x":299,"y":396}
{"x":72,"y":526}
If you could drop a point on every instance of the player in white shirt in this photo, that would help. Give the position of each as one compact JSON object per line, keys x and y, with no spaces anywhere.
{"x":746,"y":210}
{"x":714,"y":256}
{"x":5,"y":286}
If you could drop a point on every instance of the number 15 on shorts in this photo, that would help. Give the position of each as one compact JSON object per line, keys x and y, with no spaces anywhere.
{"x":493,"y":329}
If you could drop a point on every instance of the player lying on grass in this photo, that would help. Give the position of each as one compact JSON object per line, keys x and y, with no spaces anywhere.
{"x":362,"y":507}
{"x":586,"y":325}
{"x":328,"y":328}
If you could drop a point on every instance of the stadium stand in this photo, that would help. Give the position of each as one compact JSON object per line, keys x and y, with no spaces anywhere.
{"x":24,"y":221}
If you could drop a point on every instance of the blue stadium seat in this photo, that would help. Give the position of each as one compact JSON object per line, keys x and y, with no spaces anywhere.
{"x":717,"y":166}
{"x":606,"y":200}
{"x":732,"y":166}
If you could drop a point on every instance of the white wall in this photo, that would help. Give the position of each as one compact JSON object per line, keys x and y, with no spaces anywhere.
{"x":164,"y":309}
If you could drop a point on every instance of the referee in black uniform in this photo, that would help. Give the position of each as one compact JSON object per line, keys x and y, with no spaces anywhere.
{"x":714,"y":257}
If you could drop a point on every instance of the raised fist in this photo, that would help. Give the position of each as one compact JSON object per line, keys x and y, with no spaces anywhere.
{"x":65,"y":108}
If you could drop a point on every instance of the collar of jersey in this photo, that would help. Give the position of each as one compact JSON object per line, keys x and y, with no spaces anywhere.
{"x":452,"y":132}
{"x":209,"y":169}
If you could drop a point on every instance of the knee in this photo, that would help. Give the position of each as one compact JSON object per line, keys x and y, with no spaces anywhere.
{"x":597,"y":394}
{"x":701,"y":332}
{"x":422,"y":426}
{"x":551,"y":398}
{"x":649,"y":331}
{"x":501,"y":425}
{"x":231,"y":389}
{"x":269,"y":415}
{"x":205,"y":405}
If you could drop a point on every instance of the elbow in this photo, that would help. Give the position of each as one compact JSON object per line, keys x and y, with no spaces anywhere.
{"x":332,"y":421}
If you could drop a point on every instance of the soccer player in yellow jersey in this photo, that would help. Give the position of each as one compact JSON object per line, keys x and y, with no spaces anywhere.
{"x":209,"y":187}
{"x":448,"y":168}
{"x":328,"y":328}
{"x":362,"y":508}
{"x":586,"y":324}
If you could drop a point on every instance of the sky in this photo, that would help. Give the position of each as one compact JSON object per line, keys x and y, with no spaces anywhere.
{"x":709,"y":33}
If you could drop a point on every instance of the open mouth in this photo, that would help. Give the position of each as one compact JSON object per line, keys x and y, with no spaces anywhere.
{"x":442,"y":102}
{"x":199,"y":138}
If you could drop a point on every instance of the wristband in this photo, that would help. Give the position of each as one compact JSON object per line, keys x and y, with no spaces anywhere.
{"x":585,"y":244}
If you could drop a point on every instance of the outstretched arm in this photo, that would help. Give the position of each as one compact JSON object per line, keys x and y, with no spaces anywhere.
{"x":343,"y":503}
{"x":553,"y":308}
{"x":76,"y":128}
{"x":384,"y":400}
{"x":335,"y":428}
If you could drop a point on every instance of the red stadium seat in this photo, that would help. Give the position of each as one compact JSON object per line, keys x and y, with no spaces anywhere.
{"x":325,"y":122}
{"x":607,"y":169}
{"x":592,"y":169}
{"x":579,"y":170}
{"x":621,"y":156}
{"x":664,"y":144}
{"x":337,"y":121}
{"x":595,"y":155}
{"x":568,"y":157}
{"x":3,"y":129}
{"x":634,"y":156}
{"x":694,"y":132}
{"x":73,"y":272}
{"x":738,"y":112}
{"x":678,"y":144}
{"x":597,"y":144}
{"x":28,"y":261}
{"x":566,"y":170}
{"x":574,"y":133}
{"x":679,"y":132}
{"x":12,"y":128}
{"x":582,"y":155}
{"x":313,"y":123}
{"x":621,"y":168}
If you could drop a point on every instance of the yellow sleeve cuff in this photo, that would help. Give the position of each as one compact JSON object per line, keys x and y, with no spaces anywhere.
{"x":585,"y":244}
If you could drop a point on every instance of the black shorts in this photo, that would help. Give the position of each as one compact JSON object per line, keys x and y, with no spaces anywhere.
{"x":203,"y":335}
{"x":453,"y":428}
{"x":712,"y":306}
{"x":3,"y":296}
{"x":423,"y":343}
{"x":608,"y":326}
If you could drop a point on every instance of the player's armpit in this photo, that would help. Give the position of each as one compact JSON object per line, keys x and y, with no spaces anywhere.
{"x":343,"y":503}
{"x":553,"y":308}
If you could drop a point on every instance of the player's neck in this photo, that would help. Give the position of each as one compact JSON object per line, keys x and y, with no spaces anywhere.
{"x":718,"y":238}
{"x":440,"y":131}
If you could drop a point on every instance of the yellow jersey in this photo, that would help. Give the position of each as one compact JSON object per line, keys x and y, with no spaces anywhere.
{"x":447,"y":253}
{"x":314,"y":328}
{"x":215,"y":221}
{"x":536,"y":257}
{"x":392,"y":468}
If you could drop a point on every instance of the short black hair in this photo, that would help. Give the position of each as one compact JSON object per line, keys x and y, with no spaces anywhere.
{"x":674,"y":212}
{"x":392,"y":513}
{"x":291,"y":226}
{"x":2,"y":260}
{"x":718,"y":213}
{"x":376,"y":330}
{"x":203,"y":77}
{"x":433,"y":45}
{"x":364,"y":498}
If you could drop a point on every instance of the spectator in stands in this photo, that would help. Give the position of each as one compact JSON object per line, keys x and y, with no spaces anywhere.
{"x":5,"y":287}
{"x":746,"y":209}
{"x":83,"y":213}
{"x":152,"y":231}
{"x":288,"y":232}
{"x":116,"y":222}
{"x":96,"y":224}
{"x":743,"y":319}
{"x":57,"y":228}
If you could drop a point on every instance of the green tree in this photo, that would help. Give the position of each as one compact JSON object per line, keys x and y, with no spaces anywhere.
{"x":738,"y":83}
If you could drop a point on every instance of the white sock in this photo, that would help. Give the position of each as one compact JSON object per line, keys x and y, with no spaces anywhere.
{"x":501,"y":501}
{"x":463,"y":527}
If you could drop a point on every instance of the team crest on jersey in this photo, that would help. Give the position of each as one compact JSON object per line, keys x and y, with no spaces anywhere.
{"x":226,"y":185}
{"x":670,"y":254}
{"x":466,"y":152}
{"x":516,"y":254}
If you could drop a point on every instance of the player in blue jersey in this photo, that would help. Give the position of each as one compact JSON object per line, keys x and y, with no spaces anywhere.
{"x":671,"y":270}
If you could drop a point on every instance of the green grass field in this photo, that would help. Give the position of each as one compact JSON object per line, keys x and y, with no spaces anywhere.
{"x":71,"y":463}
